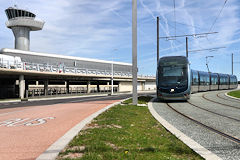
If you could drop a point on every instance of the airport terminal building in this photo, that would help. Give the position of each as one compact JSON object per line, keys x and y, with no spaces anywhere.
{"x":25,"y":73}
{"x":65,"y":74}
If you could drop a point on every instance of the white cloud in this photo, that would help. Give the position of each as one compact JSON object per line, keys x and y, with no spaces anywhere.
{"x":93,"y":28}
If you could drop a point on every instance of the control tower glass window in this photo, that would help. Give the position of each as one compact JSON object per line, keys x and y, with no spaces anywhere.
{"x":13,"y":13}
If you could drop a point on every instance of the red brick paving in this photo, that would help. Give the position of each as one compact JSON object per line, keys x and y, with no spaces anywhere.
{"x":28,"y":142}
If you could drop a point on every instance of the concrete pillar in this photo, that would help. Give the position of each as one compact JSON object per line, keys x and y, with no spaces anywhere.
{"x":26,"y":88}
{"x":46,"y":87}
{"x":119,"y":87}
{"x":143,"y":86}
{"x":98,"y":87}
{"x":26,"y":85}
{"x":21,"y":38}
{"x":21,"y":86}
{"x":88,"y":87}
{"x":67,"y":86}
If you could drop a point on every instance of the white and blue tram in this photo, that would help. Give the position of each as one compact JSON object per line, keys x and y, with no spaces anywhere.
{"x":176,"y":81}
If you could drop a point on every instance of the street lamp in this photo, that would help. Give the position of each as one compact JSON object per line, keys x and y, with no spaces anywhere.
{"x":112,"y":74}
{"x":207,"y":62}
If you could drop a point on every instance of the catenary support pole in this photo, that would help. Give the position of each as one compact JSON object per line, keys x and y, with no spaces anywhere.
{"x":232,"y":63}
{"x":157,"y":39}
{"x":187,"y":47}
{"x":112,"y":79}
{"x":134,"y":51}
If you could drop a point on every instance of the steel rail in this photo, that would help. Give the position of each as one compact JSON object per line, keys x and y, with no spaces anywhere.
{"x":227,"y":98}
{"x":204,"y":97}
{"x":238,"y":120}
{"x":234,"y":139}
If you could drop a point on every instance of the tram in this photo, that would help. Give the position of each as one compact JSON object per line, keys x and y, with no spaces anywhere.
{"x":176,"y":81}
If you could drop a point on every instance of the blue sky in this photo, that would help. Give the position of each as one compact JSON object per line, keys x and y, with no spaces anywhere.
{"x":102,"y":29}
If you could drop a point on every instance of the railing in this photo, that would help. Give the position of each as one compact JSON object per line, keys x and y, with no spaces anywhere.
{"x":63,"y":69}
{"x":39,"y":92}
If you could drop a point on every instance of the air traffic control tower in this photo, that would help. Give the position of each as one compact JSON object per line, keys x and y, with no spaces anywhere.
{"x":22,"y":22}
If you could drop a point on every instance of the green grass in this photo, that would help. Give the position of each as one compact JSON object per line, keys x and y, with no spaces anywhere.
{"x":234,"y":94}
{"x":126,"y":132}
{"x":141,"y":100}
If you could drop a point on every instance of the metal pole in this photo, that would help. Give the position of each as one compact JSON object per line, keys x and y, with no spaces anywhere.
{"x":112,"y":80}
{"x":187,"y":47}
{"x":157,"y":39}
{"x":232,"y":63}
{"x":134,"y":51}
{"x":207,"y":64}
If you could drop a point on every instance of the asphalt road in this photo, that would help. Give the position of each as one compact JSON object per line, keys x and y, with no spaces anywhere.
{"x":40,"y":102}
{"x":213,"y":109}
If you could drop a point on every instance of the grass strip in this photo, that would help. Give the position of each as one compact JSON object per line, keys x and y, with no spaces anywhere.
{"x":141,"y":100}
{"x":126,"y":132}
{"x":235,"y":93}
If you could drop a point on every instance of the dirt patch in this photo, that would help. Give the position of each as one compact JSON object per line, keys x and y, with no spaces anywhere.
{"x":91,"y":126}
{"x":73,"y":155}
{"x":116,"y":126}
{"x":112,"y":146}
{"x":78,"y":148}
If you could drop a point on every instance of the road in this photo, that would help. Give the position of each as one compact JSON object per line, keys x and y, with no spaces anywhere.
{"x":218,"y":121}
{"x":29,"y":128}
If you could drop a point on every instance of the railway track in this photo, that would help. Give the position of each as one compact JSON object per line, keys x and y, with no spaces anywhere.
{"x":232,"y":138}
{"x":228,"y":105}
{"x":228,"y":99}
{"x":238,"y":120}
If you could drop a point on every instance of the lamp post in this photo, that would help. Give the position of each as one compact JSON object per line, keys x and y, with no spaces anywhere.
{"x":207,"y":62}
{"x":112,"y":73}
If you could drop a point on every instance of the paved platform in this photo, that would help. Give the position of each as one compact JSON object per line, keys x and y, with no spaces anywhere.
{"x":216,"y":112}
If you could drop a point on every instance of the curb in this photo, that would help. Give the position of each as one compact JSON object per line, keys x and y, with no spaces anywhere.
{"x":52,"y":152}
{"x":184,"y":138}
{"x":226,"y":94}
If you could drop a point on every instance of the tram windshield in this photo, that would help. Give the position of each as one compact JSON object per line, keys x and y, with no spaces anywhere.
{"x":173,"y":75}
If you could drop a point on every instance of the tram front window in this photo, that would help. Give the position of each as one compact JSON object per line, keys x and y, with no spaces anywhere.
{"x":170,"y":76}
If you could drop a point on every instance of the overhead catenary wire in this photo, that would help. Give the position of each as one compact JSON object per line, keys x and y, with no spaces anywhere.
{"x":214,"y":22}
{"x":174,"y":17}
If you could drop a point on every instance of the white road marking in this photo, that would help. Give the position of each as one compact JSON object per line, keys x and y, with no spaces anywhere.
{"x":24,"y":122}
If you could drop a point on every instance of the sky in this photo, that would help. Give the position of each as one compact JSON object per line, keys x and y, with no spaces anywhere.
{"x":101,"y":29}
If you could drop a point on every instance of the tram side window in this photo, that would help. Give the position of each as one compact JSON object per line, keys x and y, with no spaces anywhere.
{"x":232,"y":80}
{"x":214,"y":80}
{"x":226,"y":81}
{"x":220,"y":81}
{"x":202,"y":79}
{"x":223,"y":81}
{"x":207,"y":80}
{"x":195,"y":79}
